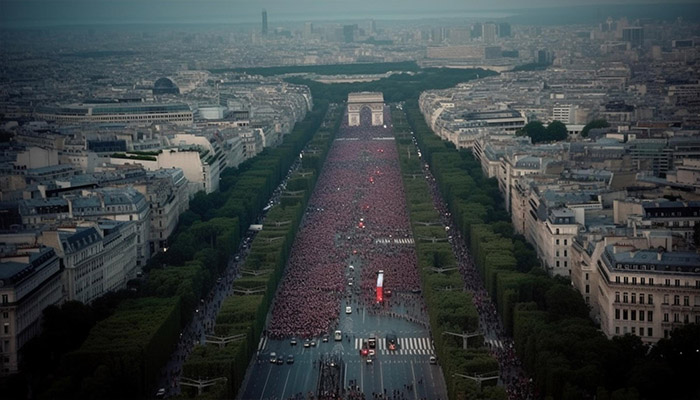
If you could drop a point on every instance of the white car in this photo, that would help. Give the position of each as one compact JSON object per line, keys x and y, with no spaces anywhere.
{"x":348,"y":310}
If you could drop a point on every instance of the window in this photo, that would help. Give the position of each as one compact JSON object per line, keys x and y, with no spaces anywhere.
{"x":666,"y":317}
{"x":667,"y":282}
{"x":650,"y":299}
{"x":626,"y":280}
{"x":686,"y":300}
{"x":651,"y":281}
{"x":586,"y":275}
{"x":633,"y":315}
{"x":557,"y":253}
{"x":665,"y":299}
{"x":677,"y":282}
{"x":617,"y":297}
{"x":566,"y":254}
{"x":617,"y":279}
{"x":625,"y":314}
{"x":5,"y":299}
{"x":641,"y":315}
{"x":676,"y":300}
{"x":641,"y":331}
{"x":686,"y":318}
{"x":6,"y":328}
{"x":634,"y":280}
{"x":557,"y":263}
{"x":5,"y":315}
{"x":634,"y":330}
{"x":676,"y":317}
{"x":566,"y":263}
{"x":617,"y":313}
{"x":650,"y":317}
{"x":641,"y":298}
{"x":650,"y":332}
{"x":588,"y":288}
{"x":624,"y":297}
{"x":642,"y":281}
{"x":617,"y":330}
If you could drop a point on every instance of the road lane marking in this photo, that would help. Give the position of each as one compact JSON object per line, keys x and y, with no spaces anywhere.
{"x":381,"y":378}
{"x":415,"y":392}
{"x":284,"y":389}
{"x":262,"y":394}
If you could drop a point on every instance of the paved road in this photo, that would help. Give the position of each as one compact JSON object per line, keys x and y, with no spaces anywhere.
{"x":401,"y":373}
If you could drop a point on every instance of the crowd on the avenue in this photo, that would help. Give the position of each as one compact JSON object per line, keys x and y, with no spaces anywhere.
{"x":356,"y":219}
{"x":358,"y":199}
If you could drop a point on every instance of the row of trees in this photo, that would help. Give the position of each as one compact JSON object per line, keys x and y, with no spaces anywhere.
{"x":332,"y":69}
{"x":243,"y":314}
{"x":398,"y":87}
{"x":450,"y":307}
{"x":206,"y":236}
{"x":559,"y":345}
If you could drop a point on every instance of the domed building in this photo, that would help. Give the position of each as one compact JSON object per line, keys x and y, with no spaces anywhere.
{"x":165,"y":86}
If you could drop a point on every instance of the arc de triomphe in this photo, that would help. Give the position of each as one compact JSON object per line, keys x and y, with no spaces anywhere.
{"x":373,"y":100}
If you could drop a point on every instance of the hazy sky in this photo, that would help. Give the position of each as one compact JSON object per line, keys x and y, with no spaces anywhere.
{"x":61,"y":12}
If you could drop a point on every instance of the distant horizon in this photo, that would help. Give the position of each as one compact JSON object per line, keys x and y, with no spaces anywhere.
{"x":30,"y":14}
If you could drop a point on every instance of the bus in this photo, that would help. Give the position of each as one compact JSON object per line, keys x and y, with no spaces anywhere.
{"x":380,"y":286}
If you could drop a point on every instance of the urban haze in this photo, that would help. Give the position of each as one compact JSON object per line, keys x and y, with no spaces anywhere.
{"x":364,"y":200}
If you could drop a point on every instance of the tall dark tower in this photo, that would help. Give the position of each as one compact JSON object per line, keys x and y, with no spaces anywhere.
{"x":264,"y":22}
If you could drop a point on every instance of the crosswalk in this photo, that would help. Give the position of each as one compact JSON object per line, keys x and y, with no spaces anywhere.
{"x":406,"y":346}
{"x":493,"y":343}
{"x":394,"y":241}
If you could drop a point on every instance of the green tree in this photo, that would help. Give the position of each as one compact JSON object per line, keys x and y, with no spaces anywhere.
{"x":556,"y":131}
{"x":535,"y":130}
{"x":595,"y":124}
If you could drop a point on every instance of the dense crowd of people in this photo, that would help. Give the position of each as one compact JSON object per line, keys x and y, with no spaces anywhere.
{"x":358,"y":199}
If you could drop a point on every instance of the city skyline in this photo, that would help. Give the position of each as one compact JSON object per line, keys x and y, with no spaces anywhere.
{"x":37,"y":13}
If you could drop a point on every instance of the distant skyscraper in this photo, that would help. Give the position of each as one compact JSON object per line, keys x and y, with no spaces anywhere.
{"x":488,"y":33}
{"x":264,"y":22}
{"x":634,"y":35}
{"x":504,"y":29}
{"x":349,"y":33}
{"x":308,"y":30}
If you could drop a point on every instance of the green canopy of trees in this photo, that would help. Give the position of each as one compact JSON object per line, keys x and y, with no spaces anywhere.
{"x":538,"y":133}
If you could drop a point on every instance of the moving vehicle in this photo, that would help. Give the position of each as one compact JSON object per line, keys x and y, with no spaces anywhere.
{"x":348,"y":310}
{"x":433,"y":360}
{"x":338,"y":336}
{"x":380,"y":286}
{"x":273,"y":357}
{"x":280,"y":360}
{"x":307,"y":343}
{"x":364,"y":350}
{"x":372,"y":341}
{"x":290,"y":359}
{"x":391,"y":341}
{"x":160,"y":394}
{"x":325,"y":338}
{"x":293,"y":342}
